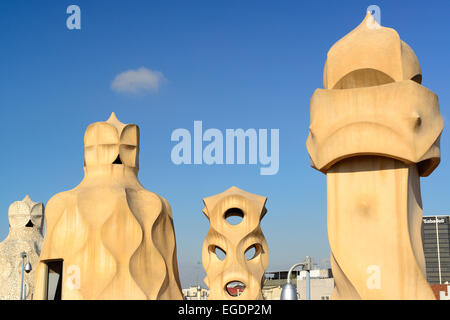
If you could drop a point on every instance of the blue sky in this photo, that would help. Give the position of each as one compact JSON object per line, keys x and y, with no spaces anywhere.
{"x":230,"y":64}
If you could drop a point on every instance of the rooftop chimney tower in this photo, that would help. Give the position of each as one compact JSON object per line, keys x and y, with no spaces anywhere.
{"x":374,"y":132}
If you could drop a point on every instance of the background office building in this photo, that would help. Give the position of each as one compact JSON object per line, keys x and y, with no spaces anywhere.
{"x":195,"y":293}
{"x":436,"y":246}
{"x":321,"y":285}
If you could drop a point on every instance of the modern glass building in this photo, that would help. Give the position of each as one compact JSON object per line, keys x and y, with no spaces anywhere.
{"x":436,"y":246}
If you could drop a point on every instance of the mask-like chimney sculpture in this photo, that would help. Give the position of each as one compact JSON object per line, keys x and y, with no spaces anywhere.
{"x":25,"y":235}
{"x":235,"y":256}
{"x":374,"y":132}
{"x":109,"y":238}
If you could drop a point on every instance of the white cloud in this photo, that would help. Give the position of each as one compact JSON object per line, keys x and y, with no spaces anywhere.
{"x":138,"y":81}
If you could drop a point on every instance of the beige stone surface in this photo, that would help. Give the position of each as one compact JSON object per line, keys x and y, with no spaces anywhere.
{"x":373,"y":54}
{"x":374,"y":131}
{"x":116,"y":239}
{"x":374,"y":229}
{"x":25,"y":235}
{"x":234,"y":241}
{"x":345,"y":122}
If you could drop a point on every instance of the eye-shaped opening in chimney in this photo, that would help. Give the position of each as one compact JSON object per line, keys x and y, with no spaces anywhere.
{"x":253,"y":251}
{"x":29,"y":224}
{"x":235,"y":288}
{"x":417,"y":78}
{"x":234,"y":216}
{"x":218,"y":251}
{"x":118,"y":160}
